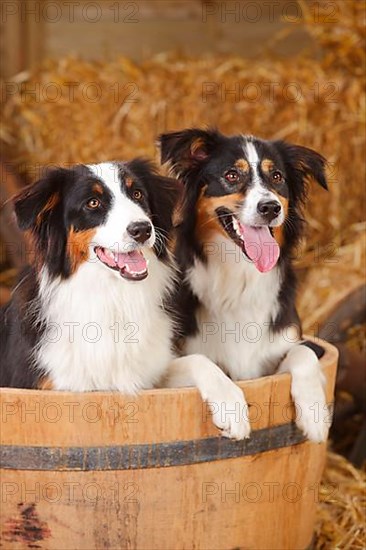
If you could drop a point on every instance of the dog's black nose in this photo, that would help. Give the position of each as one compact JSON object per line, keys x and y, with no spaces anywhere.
{"x":269,"y":209}
{"x":139,"y":231}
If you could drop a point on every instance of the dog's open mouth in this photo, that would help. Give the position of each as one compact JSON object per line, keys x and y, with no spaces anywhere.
{"x":257,"y":242}
{"x":131,"y":265}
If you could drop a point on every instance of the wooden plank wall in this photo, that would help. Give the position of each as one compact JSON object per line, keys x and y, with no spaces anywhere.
{"x":34,"y":29}
{"x":22,"y":40}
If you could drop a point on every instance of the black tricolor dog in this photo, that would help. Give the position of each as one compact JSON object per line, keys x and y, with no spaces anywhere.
{"x":240,"y":224}
{"x":93,"y":311}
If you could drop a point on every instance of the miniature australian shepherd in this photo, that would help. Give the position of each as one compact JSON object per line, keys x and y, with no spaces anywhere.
{"x":240,"y":223}
{"x":94,"y":310}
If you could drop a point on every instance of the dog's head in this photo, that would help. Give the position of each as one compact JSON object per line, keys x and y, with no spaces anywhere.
{"x":111,"y":214}
{"x":248,"y":189}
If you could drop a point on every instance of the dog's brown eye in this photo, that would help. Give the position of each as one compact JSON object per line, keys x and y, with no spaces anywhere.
{"x":93,"y":203}
{"x":232,"y":176}
{"x":137,"y":195}
{"x":277,"y":176}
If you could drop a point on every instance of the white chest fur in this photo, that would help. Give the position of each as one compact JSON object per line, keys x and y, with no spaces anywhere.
{"x":104,"y":332}
{"x":238,"y":304}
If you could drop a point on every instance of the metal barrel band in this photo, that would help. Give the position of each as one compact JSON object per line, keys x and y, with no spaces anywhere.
{"x":150,"y":455}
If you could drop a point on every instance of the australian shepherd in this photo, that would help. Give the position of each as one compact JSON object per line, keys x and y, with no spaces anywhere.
{"x":94,"y":310}
{"x":240,"y":224}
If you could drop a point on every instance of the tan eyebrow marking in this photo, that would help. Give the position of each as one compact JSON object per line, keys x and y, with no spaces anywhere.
{"x":242,"y":164}
{"x":97,"y":188}
{"x":129,"y":182}
{"x":267,"y":165}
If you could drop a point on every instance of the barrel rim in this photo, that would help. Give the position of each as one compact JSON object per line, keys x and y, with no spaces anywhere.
{"x":330,"y":357}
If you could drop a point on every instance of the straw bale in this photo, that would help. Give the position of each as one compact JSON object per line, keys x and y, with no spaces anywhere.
{"x":341,"y":509}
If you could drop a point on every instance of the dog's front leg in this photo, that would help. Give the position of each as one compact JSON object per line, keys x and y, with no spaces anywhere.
{"x":307,"y":390}
{"x":224,"y":398}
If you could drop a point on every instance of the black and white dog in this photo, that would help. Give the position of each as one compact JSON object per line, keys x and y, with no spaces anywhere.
{"x":93,"y":311}
{"x":240,"y":223}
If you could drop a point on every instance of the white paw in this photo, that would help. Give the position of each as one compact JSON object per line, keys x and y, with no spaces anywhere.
{"x":307,"y":382}
{"x":312,"y":414}
{"x":229,"y":409}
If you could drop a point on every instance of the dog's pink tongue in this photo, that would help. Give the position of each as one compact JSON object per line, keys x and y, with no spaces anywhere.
{"x":133,"y":261}
{"x":260,"y":246}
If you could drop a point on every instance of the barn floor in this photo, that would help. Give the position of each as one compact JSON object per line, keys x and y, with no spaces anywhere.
{"x":341,"y":509}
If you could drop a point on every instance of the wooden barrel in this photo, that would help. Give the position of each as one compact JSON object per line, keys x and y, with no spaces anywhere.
{"x":99,"y":470}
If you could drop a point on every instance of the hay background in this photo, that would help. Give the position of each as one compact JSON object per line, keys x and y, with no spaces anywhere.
{"x":36,"y":132}
{"x":167,"y":94}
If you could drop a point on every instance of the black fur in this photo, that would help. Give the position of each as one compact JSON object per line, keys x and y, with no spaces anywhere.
{"x":201,"y":158}
{"x":20,"y":332}
{"x":318,"y":350}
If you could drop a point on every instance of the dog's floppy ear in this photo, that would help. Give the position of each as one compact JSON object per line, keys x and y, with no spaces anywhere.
{"x":304,"y":163}
{"x":35,"y":203}
{"x":165,"y":199}
{"x":39,"y":209}
{"x":187,"y":148}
